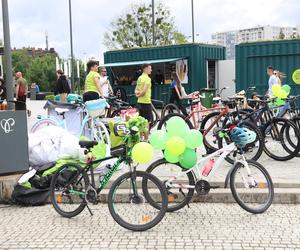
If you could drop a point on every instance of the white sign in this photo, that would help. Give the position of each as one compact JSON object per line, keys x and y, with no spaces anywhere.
{"x":7,"y":125}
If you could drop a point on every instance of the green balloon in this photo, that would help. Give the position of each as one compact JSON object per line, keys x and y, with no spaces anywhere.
{"x":175,"y":145}
{"x":170,"y":158}
{"x":282,"y":94}
{"x":286,"y":88}
{"x":279,"y":102}
{"x":188,"y":159}
{"x":158,"y":139}
{"x":193,"y":139}
{"x":176,"y":126}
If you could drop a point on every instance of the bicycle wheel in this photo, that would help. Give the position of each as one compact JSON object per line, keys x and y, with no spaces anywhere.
{"x":278,"y":133}
{"x":67,"y":190}
{"x":163,"y":122}
{"x":252,"y":187}
{"x":252,"y":151}
{"x":170,"y":109}
{"x":210,"y":140}
{"x":178,"y":197}
{"x":42,"y":123}
{"x":101,"y":133}
{"x":128,"y":205}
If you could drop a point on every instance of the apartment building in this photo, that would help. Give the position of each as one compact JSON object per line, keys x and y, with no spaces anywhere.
{"x":260,"y":33}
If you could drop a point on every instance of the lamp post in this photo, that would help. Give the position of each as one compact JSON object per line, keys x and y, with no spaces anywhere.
{"x":71,"y":43}
{"x":153,"y":23}
{"x":193,"y":25}
{"x":7,"y":54}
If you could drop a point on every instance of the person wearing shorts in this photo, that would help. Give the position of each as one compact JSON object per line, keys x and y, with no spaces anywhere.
{"x":93,"y":89}
{"x":143,"y":93}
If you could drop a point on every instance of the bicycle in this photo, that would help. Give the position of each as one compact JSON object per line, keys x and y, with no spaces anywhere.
{"x":250,"y":183}
{"x":274,"y":128}
{"x":72,"y":188}
{"x":97,"y":131}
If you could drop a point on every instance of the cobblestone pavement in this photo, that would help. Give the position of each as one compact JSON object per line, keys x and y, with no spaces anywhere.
{"x":210,"y":226}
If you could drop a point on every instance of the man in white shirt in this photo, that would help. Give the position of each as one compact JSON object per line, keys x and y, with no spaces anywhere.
{"x":272,"y":80}
{"x":104,"y":82}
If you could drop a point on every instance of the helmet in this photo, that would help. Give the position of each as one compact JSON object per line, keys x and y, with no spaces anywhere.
{"x":242,"y":136}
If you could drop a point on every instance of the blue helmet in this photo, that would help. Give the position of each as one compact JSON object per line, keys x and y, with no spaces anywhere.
{"x":242,"y":136}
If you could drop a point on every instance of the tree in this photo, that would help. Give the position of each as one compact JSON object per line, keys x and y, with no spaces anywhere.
{"x":42,"y":71}
{"x":281,"y":35}
{"x":21,"y":61}
{"x":134,"y":29}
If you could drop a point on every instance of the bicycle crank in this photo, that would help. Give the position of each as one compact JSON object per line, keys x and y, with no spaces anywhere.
{"x":202,"y":187}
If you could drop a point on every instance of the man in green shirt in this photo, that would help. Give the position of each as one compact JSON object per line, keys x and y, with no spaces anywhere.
{"x":21,"y":90}
{"x":143,"y":93}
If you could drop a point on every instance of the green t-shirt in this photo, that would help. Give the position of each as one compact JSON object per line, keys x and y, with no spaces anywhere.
{"x":143,"y":80}
{"x":90,"y":84}
{"x":22,"y":81}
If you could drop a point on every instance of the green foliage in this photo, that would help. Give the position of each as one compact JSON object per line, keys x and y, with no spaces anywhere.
{"x":134,"y":29}
{"x":21,"y":61}
{"x":42,"y":72}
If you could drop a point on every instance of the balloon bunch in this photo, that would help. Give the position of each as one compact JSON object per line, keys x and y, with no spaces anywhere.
{"x":280,"y":92}
{"x":178,"y":142}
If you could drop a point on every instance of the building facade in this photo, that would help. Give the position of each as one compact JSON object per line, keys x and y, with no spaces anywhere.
{"x":260,"y":33}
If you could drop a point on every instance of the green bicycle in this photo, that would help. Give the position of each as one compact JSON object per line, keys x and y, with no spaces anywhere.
{"x":72,"y":190}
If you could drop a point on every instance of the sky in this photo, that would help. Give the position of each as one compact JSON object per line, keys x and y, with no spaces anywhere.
{"x":30,"y":19}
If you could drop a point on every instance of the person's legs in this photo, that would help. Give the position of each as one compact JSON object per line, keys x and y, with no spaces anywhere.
{"x":145,"y":110}
{"x":181,"y":107}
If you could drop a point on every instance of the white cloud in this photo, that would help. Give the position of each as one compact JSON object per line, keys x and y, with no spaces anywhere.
{"x":31,"y":18}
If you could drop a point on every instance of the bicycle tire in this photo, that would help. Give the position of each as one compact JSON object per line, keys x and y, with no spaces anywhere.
{"x":187,"y":197}
{"x":296,"y":120}
{"x":259,"y":139}
{"x":41,"y":122}
{"x":209,"y":145}
{"x":236,"y":196}
{"x":162,"y":209}
{"x":163,"y":121}
{"x":172,"y":108}
{"x":291,"y":154}
{"x":54,"y":182}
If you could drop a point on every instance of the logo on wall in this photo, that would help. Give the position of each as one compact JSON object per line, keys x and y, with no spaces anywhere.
{"x":296,"y":76}
{"x":7,"y":125}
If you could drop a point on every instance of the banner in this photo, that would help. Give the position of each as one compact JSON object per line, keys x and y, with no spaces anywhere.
{"x":182,"y":70}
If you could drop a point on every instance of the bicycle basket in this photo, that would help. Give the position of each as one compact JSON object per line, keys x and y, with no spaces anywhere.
{"x":96,"y":107}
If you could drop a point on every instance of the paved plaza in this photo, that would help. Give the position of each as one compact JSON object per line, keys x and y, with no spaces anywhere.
{"x":202,"y":226}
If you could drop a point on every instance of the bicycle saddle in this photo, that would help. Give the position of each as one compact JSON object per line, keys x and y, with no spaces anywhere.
{"x":87,"y":144}
{"x":61,"y":111}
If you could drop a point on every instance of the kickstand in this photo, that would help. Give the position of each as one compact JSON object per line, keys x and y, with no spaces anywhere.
{"x":180,"y":190}
{"x":89,"y":210}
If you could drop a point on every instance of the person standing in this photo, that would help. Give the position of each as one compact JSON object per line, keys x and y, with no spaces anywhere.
{"x":176,"y":94}
{"x":2,"y":90}
{"x":104,"y":82}
{"x":272,"y":80}
{"x":143,"y":93}
{"x":92,"y":89}
{"x":62,"y":86}
{"x":21,"y":91}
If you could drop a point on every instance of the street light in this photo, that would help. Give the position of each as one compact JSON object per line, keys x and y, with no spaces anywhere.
{"x":193,"y":26}
{"x":153,"y":22}
{"x":71,"y":43}
{"x":7,"y":54}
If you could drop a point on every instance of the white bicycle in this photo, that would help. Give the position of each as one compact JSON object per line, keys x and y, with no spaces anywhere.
{"x":250,"y":183}
{"x":92,"y":122}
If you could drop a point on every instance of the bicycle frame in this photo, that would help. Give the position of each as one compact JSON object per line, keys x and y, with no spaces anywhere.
{"x":196,"y":170}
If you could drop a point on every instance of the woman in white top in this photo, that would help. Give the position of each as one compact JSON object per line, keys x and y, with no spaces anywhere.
{"x":104,"y":83}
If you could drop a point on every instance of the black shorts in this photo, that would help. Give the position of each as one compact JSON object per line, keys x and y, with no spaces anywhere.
{"x":90,"y":95}
{"x":145,"y":110}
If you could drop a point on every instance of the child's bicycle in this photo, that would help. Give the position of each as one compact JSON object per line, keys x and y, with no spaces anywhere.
{"x":250,"y":183}
{"x":72,"y":190}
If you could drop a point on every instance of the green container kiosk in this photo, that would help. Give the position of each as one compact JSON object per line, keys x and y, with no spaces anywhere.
{"x":191,"y":62}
